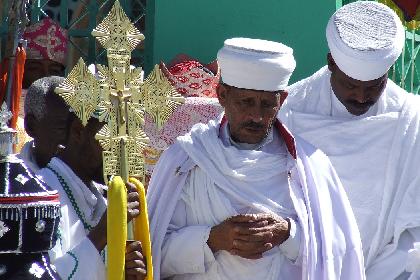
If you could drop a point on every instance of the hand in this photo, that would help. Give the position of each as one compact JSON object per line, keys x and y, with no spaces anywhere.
{"x":135,"y":266}
{"x":241,"y":235}
{"x":98,"y":234}
{"x":279,"y":227}
{"x":133,"y":201}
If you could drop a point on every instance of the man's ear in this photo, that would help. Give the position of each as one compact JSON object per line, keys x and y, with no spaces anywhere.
{"x":30,"y":123}
{"x":331,"y":62}
{"x":221,"y":94}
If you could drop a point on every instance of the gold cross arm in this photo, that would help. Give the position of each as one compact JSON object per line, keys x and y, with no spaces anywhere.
{"x":80,"y":91}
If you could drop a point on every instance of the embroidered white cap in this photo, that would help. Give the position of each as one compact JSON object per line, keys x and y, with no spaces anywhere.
{"x":365,"y":39}
{"x":256,"y":64}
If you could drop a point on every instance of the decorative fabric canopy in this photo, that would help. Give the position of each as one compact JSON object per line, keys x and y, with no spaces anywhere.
{"x":46,"y":40}
{"x":192,"y":78}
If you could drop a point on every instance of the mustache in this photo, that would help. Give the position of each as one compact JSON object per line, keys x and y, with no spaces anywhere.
{"x":253,"y":125}
{"x":358,"y":104}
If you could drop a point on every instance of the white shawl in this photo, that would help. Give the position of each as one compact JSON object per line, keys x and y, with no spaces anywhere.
{"x":331,"y":242}
{"x":74,"y":255}
{"x":377,"y":158}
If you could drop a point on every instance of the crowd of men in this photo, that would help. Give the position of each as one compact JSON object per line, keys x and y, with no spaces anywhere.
{"x":314,"y":180}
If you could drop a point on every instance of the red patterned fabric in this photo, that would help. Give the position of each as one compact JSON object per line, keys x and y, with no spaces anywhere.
{"x":194,"y":110}
{"x":46,"y":40}
{"x":191,"y":78}
{"x":409,"y":8}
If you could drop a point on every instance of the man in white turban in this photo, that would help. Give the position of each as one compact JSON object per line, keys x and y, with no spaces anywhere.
{"x":240,"y":198}
{"x":369,"y":128}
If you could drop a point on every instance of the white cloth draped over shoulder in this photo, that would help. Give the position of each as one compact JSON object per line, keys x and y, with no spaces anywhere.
{"x":330,"y":247}
{"x":247,"y":184}
{"x":376,"y":156}
{"x":74,"y":255}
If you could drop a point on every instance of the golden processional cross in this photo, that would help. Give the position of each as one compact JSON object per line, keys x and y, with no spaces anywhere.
{"x":119,"y":98}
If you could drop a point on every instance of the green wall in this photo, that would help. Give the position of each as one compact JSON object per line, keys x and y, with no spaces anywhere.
{"x":199,"y":27}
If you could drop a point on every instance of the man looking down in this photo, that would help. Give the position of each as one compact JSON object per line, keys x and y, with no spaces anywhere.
{"x":241,"y":198}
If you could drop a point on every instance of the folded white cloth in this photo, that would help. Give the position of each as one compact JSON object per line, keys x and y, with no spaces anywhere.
{"x":376,"y":156}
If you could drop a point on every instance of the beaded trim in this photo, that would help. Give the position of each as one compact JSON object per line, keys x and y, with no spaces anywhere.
{"x":37,"y":194}
{"x":47,"y":266}
{"x":6,"y":179}
{"x":20,"y":214}
{"x":76,"y":265}
{"x":15,"y":212}
{"x":71,"y":198}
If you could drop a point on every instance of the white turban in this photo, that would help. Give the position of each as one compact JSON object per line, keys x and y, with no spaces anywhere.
{"x":256,"y":64}
{"x":365,"y":39}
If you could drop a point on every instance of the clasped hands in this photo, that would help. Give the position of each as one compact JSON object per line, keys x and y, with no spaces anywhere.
{"x":249,"y":235}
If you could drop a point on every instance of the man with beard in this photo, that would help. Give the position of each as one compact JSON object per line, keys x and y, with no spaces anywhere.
{"x":369,"y":128}
{"x":241,"y":198}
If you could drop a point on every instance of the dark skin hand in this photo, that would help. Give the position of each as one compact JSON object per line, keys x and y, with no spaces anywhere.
{"x":133,"y":201}
{"x":135,"y":263}
{"x":98,"y":234}
{"x":135,"y":266}
{"x":250,"y":235}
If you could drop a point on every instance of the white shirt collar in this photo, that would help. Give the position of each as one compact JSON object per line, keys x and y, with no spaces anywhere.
{"x":90,"y":200}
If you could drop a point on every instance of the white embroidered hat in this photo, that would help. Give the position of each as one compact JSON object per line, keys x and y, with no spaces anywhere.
{"x":365,"y":39}
{"x":256,"y":64}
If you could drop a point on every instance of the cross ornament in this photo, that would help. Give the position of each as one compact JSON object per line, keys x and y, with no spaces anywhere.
{"x":119,"y":98}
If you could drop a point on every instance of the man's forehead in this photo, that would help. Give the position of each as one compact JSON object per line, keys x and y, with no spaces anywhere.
{"x":353,"y":81}
{"x":241,"y":92}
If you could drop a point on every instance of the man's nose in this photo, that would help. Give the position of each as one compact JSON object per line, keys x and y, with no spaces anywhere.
{"x":256,"y":114}
{"x":362,"y":95}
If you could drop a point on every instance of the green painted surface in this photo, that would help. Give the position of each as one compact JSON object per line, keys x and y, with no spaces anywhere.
{"x":199,"y":27}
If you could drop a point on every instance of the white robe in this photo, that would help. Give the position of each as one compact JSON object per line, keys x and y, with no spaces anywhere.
{"x":330,"y":247}
{"x":74,"y":254}
{"x":376,"y":156}
{"x":204,"y":204}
